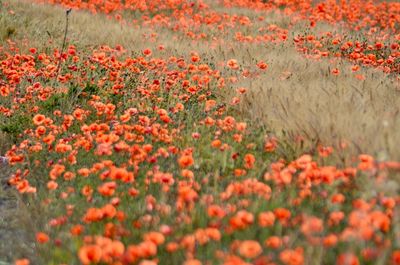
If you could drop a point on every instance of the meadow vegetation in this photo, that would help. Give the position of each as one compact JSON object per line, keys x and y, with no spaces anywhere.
{"x":200,"y":132}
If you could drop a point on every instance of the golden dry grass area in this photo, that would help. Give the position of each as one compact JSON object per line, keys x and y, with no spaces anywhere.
{"x":200,"y":132}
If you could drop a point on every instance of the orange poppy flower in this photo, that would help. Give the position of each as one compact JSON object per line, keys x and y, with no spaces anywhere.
{"x":395,"y":258}
{"x":42,"y":237}
{"x":172,"y":247}
{"x":273,"y":242}
{"x":233,"y":64}
{"x":262,"y":65}
{"x":38,"y":119}
{"x":266,"y":219}
{"x":90,"y":254}
{"x":147,"y":52}
{"x":249,"y":161}
{"x":52,"y":185}
{"x":250,"y":249}
{"x":155,"y":237}
{"x":22,"y":262}
{"x":330,"y":240}
{"x":185,"y":161}
{"x":311,"y":225}
{"x":347,"y":259}
{"x":292,"y":257}
{"x":282,"y":214}
{"x":147,"y":249}
{"x":76,"y":230}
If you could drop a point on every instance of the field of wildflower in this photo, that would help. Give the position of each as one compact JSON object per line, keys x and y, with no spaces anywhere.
{"x":194,"y":132}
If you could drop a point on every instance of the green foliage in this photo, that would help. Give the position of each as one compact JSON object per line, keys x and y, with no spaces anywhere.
{"x":15,"y":125}
{"x":55,"y":101}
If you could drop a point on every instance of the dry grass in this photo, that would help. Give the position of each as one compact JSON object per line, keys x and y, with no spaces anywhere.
{"x":303,"y":97}
{"x":44,"y":26}
{"x":298,"y":96}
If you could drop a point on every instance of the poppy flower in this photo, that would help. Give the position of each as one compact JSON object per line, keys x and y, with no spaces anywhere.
{"x":292,"y":257}
{"x":347,"y":259}
{"x":147,"y":52}
{"x":38,"y":119}
{"x":22,"y":262}
{"x":266,"y":219}
{"x":250,"y":249}
{"x":42,"y":237}
{"x":395,"y":258}
{"x":273,"y":242}
{"x":233,"y":64}
{"x":262,"y":65}
{"x":90,"y":254}
{"x":185,"y":161}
